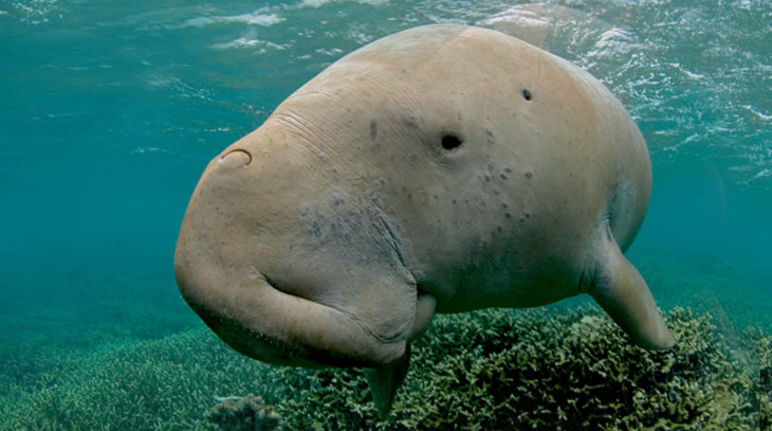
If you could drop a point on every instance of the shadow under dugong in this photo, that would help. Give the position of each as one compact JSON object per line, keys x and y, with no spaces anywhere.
{"x":437,"y":170}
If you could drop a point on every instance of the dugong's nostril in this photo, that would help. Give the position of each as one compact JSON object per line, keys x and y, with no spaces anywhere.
{"x":236,"y":159}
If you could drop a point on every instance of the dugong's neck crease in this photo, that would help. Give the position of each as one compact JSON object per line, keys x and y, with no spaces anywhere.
{"x":317,"y":144}
{"x":296,"y":122}
{"x":393,"y":241}
{"x":311,"y":132}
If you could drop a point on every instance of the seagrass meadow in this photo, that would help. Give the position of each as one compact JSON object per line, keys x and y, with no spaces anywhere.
{"x":490,"y":370}
{"x":109,"y":112}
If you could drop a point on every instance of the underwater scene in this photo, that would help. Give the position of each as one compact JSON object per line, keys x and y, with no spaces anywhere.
{"x":110,"y":111}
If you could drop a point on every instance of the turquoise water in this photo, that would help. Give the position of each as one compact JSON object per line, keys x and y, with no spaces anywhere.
{"x":110,"y":110}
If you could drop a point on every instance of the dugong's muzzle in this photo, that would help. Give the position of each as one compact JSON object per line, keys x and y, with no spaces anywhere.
{"x":324,"y":317}
{"x":264,"y":323}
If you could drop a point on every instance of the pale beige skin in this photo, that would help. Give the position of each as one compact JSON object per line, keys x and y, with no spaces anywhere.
{"x":331,"y":234}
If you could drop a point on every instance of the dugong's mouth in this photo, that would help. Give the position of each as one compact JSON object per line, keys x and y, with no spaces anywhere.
{"x":254,"y":344}
{"x":268,"y":348}
{"x":264,"y":322}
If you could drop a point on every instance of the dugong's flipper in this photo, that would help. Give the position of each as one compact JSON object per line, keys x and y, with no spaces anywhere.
{"x":618,"y":287}
{"x":385,"y":380}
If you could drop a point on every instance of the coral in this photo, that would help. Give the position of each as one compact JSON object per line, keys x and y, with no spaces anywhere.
{"x":247,"y":413}
{"x":488,"y":370}
{"x":533,"y":370}
{"x":760,"y":348}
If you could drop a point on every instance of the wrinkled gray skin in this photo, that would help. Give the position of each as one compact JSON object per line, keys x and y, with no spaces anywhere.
{"x":330,"y":235}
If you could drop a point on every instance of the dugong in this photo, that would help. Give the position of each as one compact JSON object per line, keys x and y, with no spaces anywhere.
{"x":437,"y":170}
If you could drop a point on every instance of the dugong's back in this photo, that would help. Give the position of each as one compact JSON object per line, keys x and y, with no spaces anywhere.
{"x":499,"y":160}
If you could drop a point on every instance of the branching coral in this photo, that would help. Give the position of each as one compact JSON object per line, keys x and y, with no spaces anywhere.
{"x":760,"y":348}
{"x":534,"y":370}
{"x":488,"y":370}
{"x":247,"y":413}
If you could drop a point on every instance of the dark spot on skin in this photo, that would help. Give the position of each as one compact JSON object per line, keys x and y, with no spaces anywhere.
{"x":505,"y":206}
{"x":315,"y":230}
{"x":503,"y":176}
{"x":507,"y":215}
{"x":499,"y":228}
{"x":507,"y":170}
{"x":373,"y":130}
{"x":527,"y":94}
{"x":404,"y":189}
{"x":487,"y":177}
{"x":527,"y":215}
{"x":528,"y":174}
{"x":454,"y":201}
{"x":450,"y":141}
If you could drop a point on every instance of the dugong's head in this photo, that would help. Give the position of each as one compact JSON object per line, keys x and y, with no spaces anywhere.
{"x":289,"y":267}
{"x":287,"y":271}
{"x":290,"y":249}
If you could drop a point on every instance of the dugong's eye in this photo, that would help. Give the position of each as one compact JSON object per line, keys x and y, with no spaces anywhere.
{"x":450,"y":141}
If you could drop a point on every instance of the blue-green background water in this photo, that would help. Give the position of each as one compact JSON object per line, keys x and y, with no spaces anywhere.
{"x":110,"y":110}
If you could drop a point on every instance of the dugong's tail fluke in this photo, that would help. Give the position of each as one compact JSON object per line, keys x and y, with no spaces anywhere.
{"x":622,"y":292}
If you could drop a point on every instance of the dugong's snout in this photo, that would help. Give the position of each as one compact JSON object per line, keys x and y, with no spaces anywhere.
{"x":272,"y":303}
{"x":263,"y":322}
